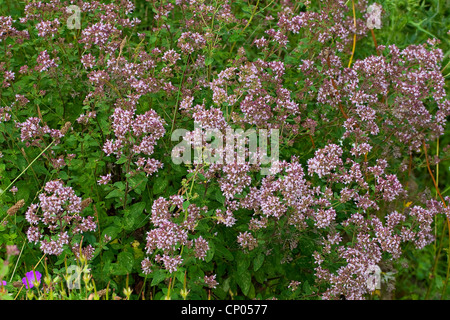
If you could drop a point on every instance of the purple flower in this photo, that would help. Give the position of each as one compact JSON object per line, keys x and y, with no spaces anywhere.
{"x":210,"y":281}
{"x":14,"y":189}
{"x":30,"y":277}
{"x":104,"y":179}
{"x":44,"y":62}
{"x":3,"y":283}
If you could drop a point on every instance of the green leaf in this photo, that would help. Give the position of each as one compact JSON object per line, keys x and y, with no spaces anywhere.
{"x":132,"y":215}
{"x":186,"y":204}
{"x":242,"y":263}
{"x":125,"y":261}
{"x":119,"y":185}
{"x":219,"y":196}
{"x":235,"y":36}
{"x":244,"y":281}
{"x":122,"y":160}
{"x":160,"y":185}
{"x":158,"y":276}
{"x":210,"y":252}
{"x":4,"y":268}
{"x":209,"y":61}
{"x":111,"y":231}
{"x":190,"y":174}
{"x":115,"y":194}
{"x":63,"y":175}
{"x":40,"y":169}
{"x":258,"y":262}
{"x":137,"y":208}
{"x":224,"y":252}
{"x":307,"y":288}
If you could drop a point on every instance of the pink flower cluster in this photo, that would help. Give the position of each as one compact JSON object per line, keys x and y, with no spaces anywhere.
{"x":99,"y":35}
{"x":8,"y":31}
{"x":373,"y":238}
{"x":59,"y":219}
{"x":44,"y":62}
{"x":48,"y":28}
{"x":4,"y":114}
{"x":136,"y":134}
{"x":32,"y":132}
{"x":173,"y":223}
{"x":411,"y":75}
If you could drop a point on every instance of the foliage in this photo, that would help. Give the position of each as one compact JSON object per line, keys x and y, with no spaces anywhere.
{"x":89,"y":123}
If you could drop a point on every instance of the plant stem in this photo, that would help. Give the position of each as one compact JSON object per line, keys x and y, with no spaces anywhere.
{"x":178,"y":95}
{"x":3,"y":191}
{"x":354,"y":35}
{"x":374,"y":41}
{"x":248,"y":23}
{"x":432,"y":176}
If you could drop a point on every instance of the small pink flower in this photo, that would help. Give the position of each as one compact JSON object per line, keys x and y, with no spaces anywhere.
{"x":105,"y":179}
{"x":14,"y":189}
{"x":210,"y":281}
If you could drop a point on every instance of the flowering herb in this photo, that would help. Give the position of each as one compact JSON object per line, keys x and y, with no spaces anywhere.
{"x":313,"y":151}
{"x":31,"y":279}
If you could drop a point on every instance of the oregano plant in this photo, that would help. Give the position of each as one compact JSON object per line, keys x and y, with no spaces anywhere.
{"x":216,"y":150}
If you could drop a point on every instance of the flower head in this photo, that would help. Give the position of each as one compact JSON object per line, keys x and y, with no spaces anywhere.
{"x":104,"y":179}
{"x":210,"y":281}
{"x":31,"y":278}
{"x":14,"y":189}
